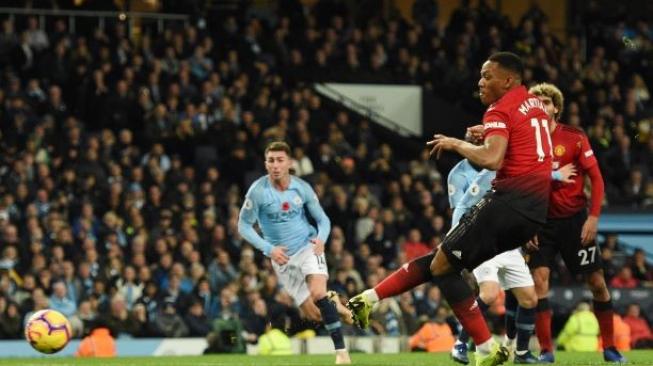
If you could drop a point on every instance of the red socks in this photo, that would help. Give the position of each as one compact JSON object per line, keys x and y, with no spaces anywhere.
{"x":471,"y":318}
{"x":543,"y":325}
{"x":604,"y":313}
{"x":410,"y":275}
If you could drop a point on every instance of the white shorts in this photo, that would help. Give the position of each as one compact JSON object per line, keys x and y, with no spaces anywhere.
{"x":292,"y":275}
{"x":508,"y":269}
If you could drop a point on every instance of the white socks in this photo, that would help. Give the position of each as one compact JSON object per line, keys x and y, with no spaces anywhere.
{"x":485,"y":347}
{"x":371,"y":295}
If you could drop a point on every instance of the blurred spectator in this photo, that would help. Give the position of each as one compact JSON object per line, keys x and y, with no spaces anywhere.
{"x":39,"y":301}
{"x":580,"y":333}
{"x":414,"y":247}
{"x":128,"y":288}
{"x":119,"y":320}
{"x":86,"y":315}
{"x":207,"y":298}
{"x":36,"y":37}
{"x":168,"y":321}
{"x":59,"y":300}
{"x":622,"y":334}
{"x":434,"y":335}
{"x":624,"y":279}
{"x":99,"y":342}
{"x":382,"y":243}
{"x":609,"y":268}
{"x":197,"y":322}
{"x":640,"y":330}
{"x":143,"y":325}
{"x":73,"y":285}
{"x":11,"y":325}
{"x":221,"y":271}
{"x":302,"y":165}
{"x":274,"y":341}
{"x":255,"y":319}
{"x":641,"y":270}
{"x":429,"y":304}
{"x":386,"y":319}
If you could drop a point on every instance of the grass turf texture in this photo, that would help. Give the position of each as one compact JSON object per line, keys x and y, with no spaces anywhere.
{"x":402,"y":359}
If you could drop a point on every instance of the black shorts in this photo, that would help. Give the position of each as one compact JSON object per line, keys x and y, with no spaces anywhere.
{"x":489,"y":228}
{"x":563,"y":236}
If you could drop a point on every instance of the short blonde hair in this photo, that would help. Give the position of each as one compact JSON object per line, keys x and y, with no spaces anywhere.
{"x":551,"y":91}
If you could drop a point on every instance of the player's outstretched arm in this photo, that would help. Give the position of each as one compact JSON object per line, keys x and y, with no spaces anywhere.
{"x":489,"y":155}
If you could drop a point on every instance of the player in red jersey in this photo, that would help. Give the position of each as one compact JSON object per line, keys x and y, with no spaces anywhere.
{"x":517,"y":145}
{"x":569,"y":229}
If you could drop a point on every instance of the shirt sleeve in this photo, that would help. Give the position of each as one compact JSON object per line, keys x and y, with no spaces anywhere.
{"x":586,"y":158}
{"x":456,"y":185}
{"x":313,"y":206}
{"x":598,"y":190}
{"x":495,"y":122}
{"x":247,"y":218}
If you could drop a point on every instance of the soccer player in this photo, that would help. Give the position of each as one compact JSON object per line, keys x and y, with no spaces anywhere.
{"x":507,"y":270}
{"x":569,"y":229}
{"x":278,"y":202}
{"x":517,"y":146}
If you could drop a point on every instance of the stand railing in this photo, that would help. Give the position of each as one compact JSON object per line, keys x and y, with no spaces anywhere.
{"x":102,"y":16}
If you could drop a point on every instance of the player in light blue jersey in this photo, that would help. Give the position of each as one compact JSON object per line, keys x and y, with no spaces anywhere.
{"x":467,"y":185}
{"x":278,"y":202}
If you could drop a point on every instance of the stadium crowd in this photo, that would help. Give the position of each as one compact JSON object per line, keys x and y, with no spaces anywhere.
{"x":124,"y":160}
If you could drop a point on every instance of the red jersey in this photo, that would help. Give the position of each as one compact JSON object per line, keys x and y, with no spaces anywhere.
{"x":570,"y":145}
{"x":524,"y":179}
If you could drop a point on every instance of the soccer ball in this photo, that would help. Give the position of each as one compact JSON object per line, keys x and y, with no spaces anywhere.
{"x":48,"y":331}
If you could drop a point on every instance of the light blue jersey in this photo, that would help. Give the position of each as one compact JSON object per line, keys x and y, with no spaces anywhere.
{"x":466,"y":187}
{"x":281,"y":216}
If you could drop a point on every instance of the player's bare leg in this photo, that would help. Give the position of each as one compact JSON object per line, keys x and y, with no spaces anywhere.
{"x":489,"y":292}
{"x":596,"y":283}
{"x":318,"y":289}
{"x":463,"y":303}
{"x":310,"y":311}
{"x":345,"y":314}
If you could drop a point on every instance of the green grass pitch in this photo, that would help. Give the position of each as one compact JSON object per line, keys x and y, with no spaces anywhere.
{"x":402,"y":359}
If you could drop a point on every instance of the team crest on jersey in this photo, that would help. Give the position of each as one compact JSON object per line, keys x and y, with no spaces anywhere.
{"x":248,"y":204}
{"x":559,"y":150}
{"x":285,"y":206}
{"x":297,"y":200}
